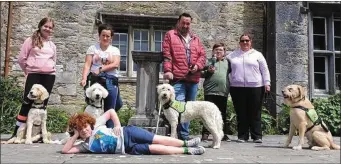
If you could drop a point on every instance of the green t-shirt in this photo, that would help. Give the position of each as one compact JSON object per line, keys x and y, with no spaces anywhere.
{"x":216,"y":83}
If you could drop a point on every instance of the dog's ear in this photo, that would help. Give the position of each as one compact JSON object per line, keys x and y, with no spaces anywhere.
{"x":88,"y":92}
{"x":44,"y":94}
{"x":302,"y":92}
{"x":105,"y":93}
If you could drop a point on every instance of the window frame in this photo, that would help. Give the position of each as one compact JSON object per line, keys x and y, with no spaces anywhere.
{"x":330,"y":54}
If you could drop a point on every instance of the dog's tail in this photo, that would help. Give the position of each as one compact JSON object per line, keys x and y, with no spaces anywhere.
{"x":335,"y":146}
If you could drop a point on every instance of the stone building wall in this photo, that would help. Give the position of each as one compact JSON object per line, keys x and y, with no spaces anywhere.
{"x":75,"y":31}
{"x":291,"y":46}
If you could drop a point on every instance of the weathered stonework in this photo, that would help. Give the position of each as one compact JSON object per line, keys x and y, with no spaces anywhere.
{"x":75,"y":31}
{"x":291,"y":46}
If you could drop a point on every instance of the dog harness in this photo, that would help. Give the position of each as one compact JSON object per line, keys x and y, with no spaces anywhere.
{"x":179,"y":106}
{"x":312,"y":115}
{"x":176,"y":105}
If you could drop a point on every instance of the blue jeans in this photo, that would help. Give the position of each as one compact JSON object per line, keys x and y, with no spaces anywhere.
{"x":113,"y":101}
{"x":185,"y":92}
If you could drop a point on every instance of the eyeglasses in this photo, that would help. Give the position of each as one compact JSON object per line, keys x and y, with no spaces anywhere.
{"x":244,"y":41}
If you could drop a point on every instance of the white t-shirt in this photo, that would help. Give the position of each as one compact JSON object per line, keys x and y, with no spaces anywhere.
{"x":103,"y":139}
{"x":99,"y":57}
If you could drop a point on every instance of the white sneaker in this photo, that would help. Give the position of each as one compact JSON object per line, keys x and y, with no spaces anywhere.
{"x":196,"y":150}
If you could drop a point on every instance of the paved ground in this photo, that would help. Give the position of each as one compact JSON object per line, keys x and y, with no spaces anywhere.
{"x":270,"y":151}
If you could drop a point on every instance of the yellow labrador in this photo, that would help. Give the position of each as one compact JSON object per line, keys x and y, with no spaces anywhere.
{"x":318,"y":135}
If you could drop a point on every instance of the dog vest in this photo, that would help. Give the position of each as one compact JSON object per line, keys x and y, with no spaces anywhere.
{"x":312,"y":115}
{"x":177,"y":105}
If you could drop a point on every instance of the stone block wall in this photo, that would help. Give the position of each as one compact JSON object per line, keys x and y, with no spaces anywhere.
{"x":75,"y":31}
{"x":291,"y":46}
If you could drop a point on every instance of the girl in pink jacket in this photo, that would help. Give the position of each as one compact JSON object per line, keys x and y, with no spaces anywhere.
{"x":37,"y":59}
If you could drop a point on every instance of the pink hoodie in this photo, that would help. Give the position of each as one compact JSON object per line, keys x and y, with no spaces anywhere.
{"x":34,"y":60}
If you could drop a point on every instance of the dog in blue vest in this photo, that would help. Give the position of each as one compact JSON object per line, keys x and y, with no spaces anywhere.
{"x":176,"y":112}
{"x":304,"y":118}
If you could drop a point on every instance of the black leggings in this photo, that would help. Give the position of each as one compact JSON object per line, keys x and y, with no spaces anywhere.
{"x":247,"y":103}
{"x":45,"y":80}
{"x":221,"y":102}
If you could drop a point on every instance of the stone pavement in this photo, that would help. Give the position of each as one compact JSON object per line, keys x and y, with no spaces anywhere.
{"x":270,"y":151}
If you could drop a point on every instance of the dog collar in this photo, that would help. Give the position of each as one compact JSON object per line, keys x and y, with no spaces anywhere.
{"x":91,"y":103}
{"x":96,"y":106}
{"x":38,"y":106}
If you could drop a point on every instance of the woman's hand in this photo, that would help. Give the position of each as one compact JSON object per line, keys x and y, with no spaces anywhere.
{"x":267,"y":88}
{"x":83,"y":82}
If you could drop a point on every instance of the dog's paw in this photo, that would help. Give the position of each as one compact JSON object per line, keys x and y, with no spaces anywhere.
{"x":17,"y":141}
{"x":286,"y":145}
{"x":46,"y":141}
{"x":297,"y":147}
{"x":28,"y":142}
{"x":216,"y":147}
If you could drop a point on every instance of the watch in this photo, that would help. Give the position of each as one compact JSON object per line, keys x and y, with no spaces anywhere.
{"x":100,"y":69}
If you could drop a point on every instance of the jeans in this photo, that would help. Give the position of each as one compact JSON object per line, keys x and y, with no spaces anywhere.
{"x":185,"y":92}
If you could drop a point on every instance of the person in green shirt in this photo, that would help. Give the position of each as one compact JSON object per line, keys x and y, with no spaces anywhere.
{"x":216,"y":85}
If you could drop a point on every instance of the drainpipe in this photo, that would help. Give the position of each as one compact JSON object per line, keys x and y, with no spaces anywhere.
{"x":8,"y":39}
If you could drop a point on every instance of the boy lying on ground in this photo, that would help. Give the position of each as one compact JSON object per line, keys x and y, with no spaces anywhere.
{"x":120,"y":140}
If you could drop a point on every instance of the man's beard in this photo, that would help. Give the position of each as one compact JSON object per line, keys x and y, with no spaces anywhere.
{"x":183,"y":30}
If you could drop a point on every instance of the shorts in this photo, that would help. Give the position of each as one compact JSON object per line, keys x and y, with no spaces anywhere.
{"x":137,"y":140}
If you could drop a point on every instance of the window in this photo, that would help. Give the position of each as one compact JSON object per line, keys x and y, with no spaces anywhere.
{"x":121,"y":42}
{"x":326,"y":52}
{"x":158,"y":38}
{"x":137,"y":33}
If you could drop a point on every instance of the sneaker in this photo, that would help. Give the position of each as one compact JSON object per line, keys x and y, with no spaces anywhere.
{"x":196,"y":150}
{"x":241,"y":140}
{"x":258,"y":141}
{"x":204,"y":138}
{"x":226,"y":138}
{"x":193,"y":142}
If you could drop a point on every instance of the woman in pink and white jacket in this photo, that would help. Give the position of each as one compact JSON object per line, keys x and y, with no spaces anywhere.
{"x":37,"y":59}
{"x":249,"y":79}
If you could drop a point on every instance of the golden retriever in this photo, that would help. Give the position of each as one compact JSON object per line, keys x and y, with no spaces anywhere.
{"x":319,"y":137}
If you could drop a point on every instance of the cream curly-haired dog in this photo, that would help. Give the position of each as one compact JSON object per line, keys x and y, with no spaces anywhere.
{"x":204,"y":110}
{"x":96,"y":93}
{"x":303,"y":118}
{"x":35,"y":126}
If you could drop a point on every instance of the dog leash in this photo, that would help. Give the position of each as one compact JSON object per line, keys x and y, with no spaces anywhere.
{"x":270,"y":96}
{"x":158,"y":118}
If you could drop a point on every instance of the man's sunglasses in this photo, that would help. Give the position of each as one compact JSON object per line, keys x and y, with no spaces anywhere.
{"x":243,"y":41}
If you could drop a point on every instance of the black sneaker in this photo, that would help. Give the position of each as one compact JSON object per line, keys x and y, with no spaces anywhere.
{"x":226,"y":138}
{"x":204,"y":138}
